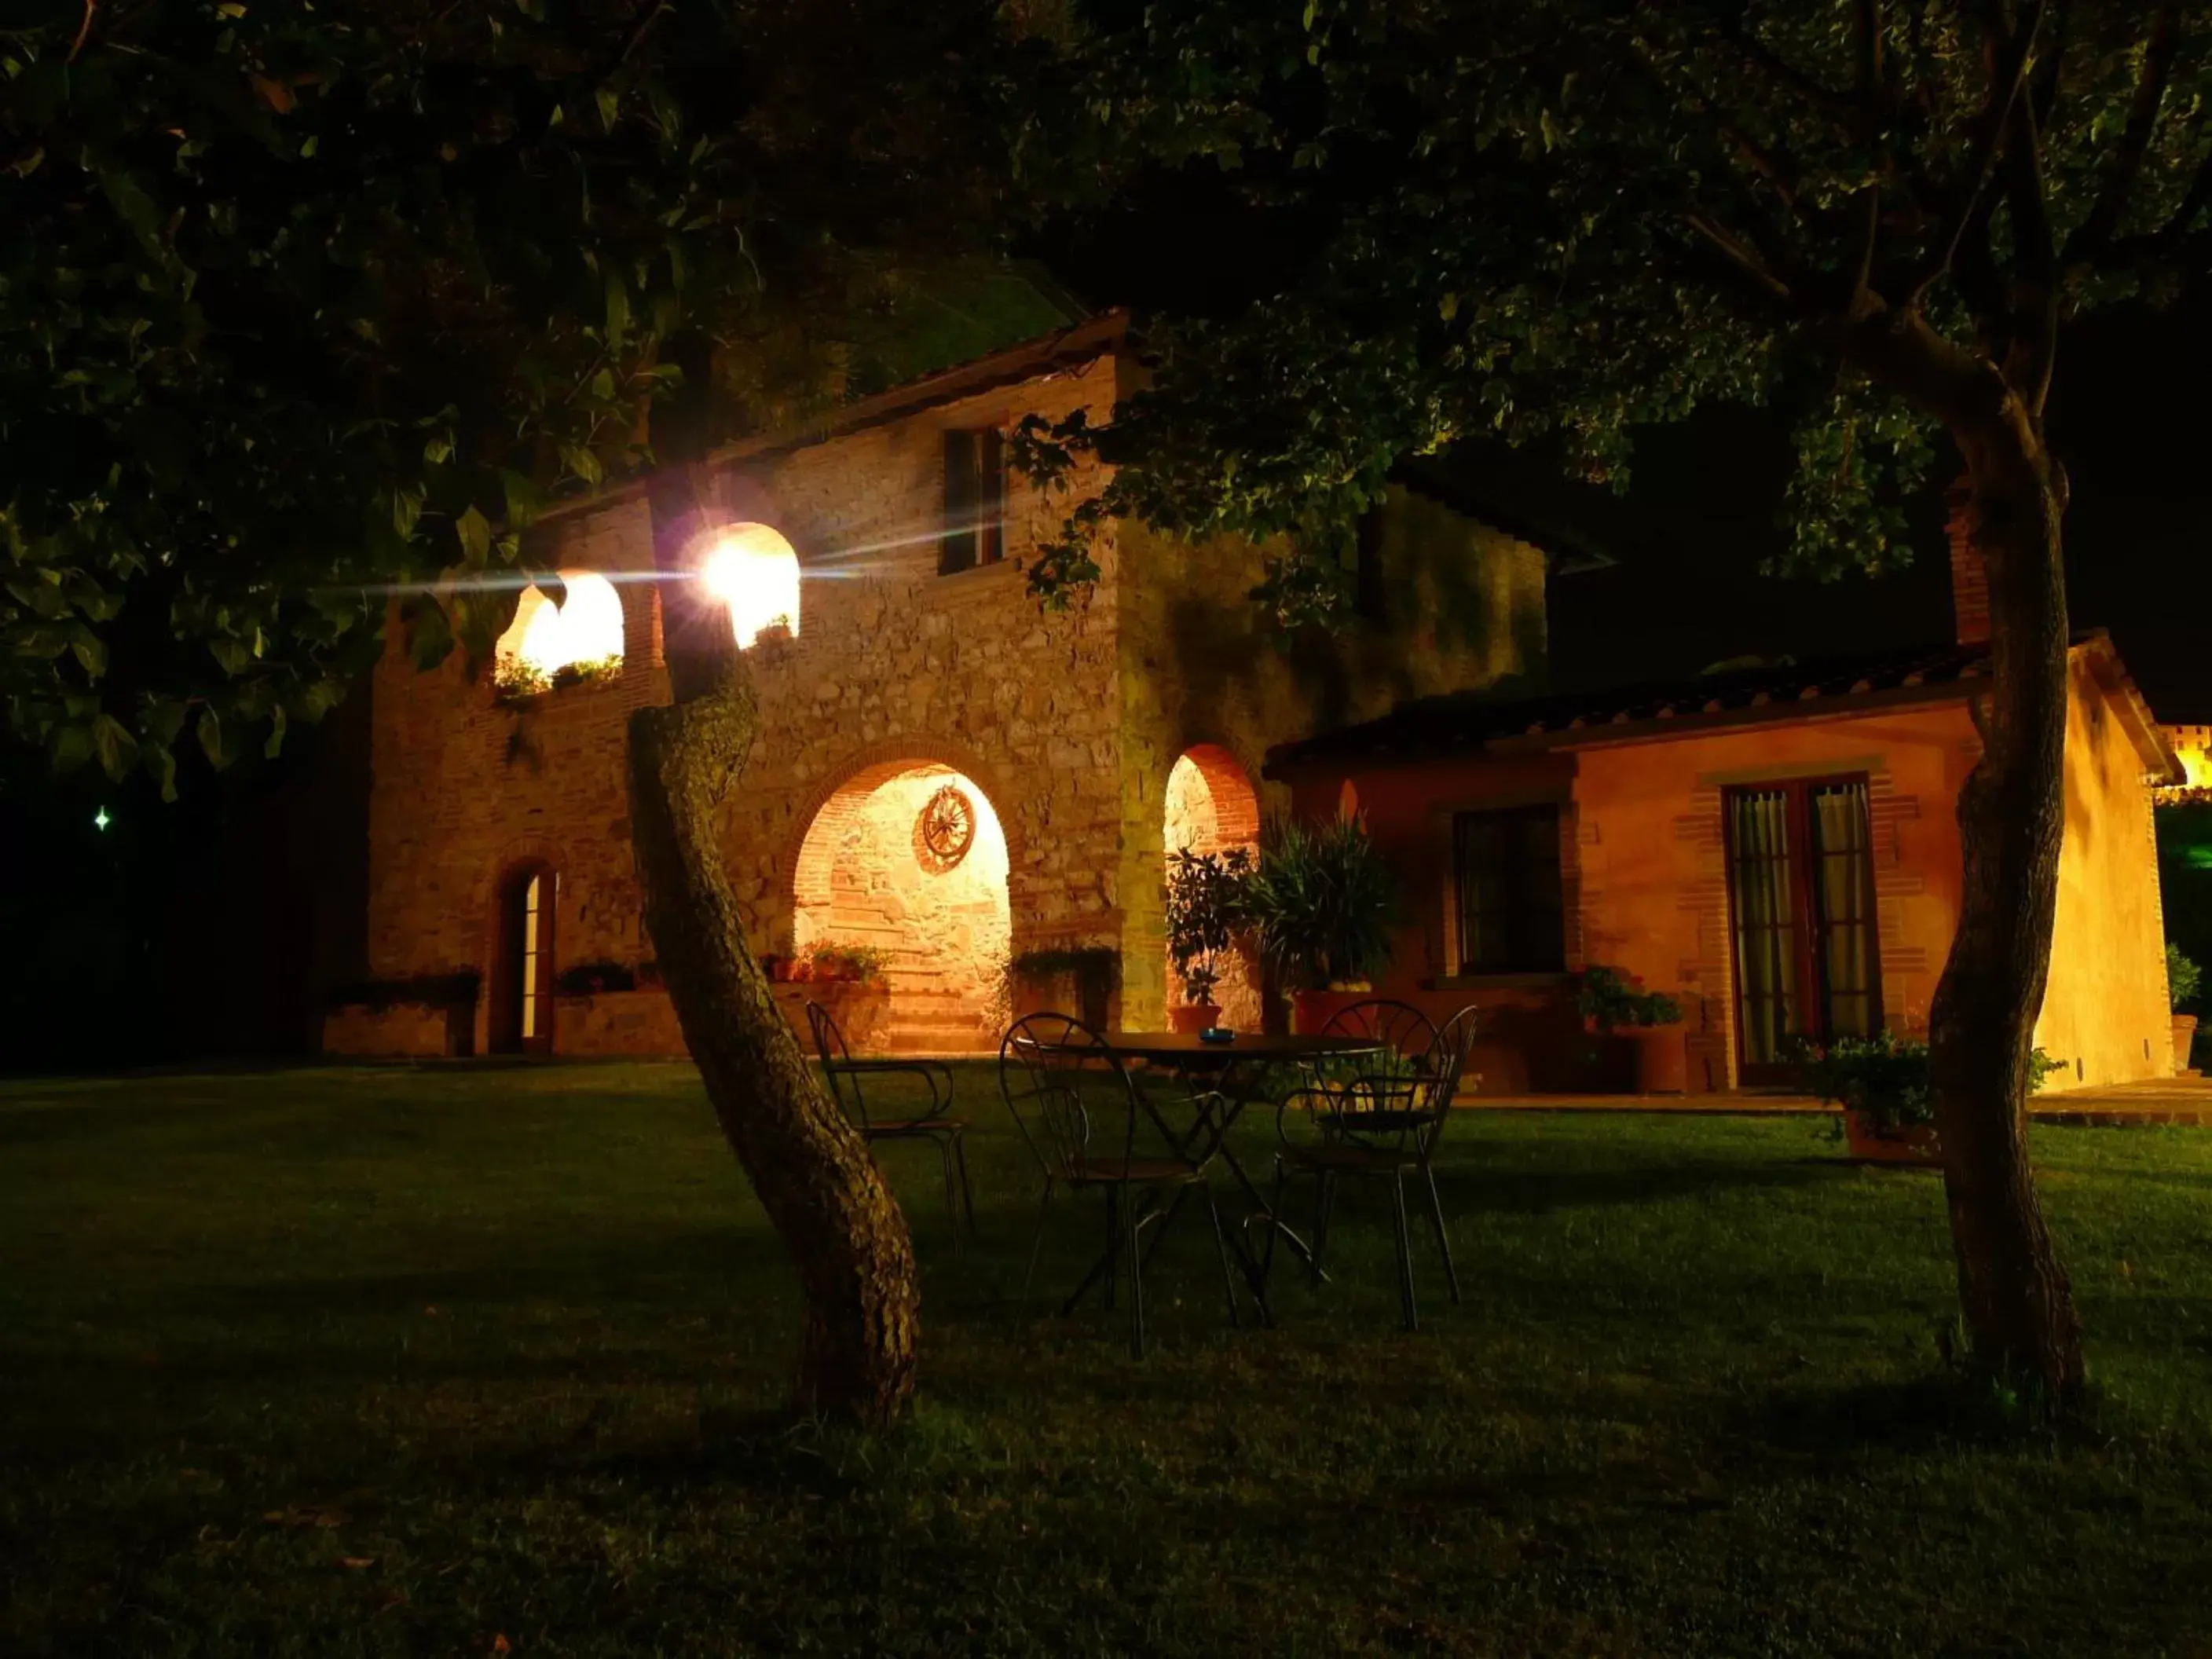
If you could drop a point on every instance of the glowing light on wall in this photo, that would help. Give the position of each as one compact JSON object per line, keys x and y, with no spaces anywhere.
{"x":753,"y":571}
{"x":584,"y":628}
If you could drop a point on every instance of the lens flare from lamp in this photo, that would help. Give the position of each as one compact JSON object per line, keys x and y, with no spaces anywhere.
{"x":752,"y":570}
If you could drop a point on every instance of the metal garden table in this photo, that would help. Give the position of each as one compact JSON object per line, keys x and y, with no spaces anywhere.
{"x":1222,"y":1102}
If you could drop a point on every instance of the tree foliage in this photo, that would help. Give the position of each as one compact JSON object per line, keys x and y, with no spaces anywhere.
{"x":299,"y":304}
{"x":1563,"y":219}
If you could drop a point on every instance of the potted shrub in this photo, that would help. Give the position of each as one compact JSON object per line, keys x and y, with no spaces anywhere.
{"x":1881,"y":1082}
{"x":1206,"y":906}
{"x":1650,"y":1022}
{"x":1323,"y":904}
{"x":2183,"y":981}
{"x":844,"y":964}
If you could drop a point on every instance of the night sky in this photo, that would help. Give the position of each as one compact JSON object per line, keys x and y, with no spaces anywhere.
{"x":1686,"y":591}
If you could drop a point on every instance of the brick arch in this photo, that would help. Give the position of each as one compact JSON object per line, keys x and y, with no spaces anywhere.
{"x":491,"y":881}
{"x":1232,"y":799}
{"x":943,"y":934}
{"x":865,"y":768}
{"x":1209,"y":802}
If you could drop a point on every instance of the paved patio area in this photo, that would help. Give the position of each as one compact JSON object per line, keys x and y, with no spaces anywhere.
{"x":2179,"y":1100}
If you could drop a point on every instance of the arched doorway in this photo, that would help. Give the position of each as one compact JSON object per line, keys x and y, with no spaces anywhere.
{"x":1209,"y":807}
{"x":521,"y":1006}
{"x":908,"y":860}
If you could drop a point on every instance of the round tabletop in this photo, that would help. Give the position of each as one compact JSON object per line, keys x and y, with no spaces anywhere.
{"x":1182,"y":1047}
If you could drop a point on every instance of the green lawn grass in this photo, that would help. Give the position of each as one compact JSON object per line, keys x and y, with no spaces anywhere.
{"x":365,"y":1361}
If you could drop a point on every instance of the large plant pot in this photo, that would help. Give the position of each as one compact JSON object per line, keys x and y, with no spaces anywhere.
{"x":1871,"y":1143}
{"x":1193,"y":1016}
{"x":1661,"y":1056}
{"x":2185,"y":1039}
{"x":1311,"y":1011}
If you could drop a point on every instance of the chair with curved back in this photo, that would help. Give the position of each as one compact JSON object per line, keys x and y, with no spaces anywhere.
{"x":847,"y":1077}
{"x":1090,"y":1127}
{"x":1381,"y":1124}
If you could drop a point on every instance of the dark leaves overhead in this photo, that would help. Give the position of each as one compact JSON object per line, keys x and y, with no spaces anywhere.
{"x":302,"y":305}
{"x":1564,"y":218}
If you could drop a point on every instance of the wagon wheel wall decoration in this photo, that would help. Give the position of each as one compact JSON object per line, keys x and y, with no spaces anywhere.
{"x":944,"y":831}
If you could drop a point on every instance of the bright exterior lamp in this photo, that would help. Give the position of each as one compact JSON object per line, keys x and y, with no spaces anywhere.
{"x":753,"y":571}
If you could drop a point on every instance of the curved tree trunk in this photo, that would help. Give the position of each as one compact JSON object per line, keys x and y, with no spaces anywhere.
{"x":2017,"y":1305}
{"x":820,"y":1188}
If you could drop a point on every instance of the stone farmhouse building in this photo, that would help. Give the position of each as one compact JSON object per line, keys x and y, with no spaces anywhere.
{"x":945,"y":774}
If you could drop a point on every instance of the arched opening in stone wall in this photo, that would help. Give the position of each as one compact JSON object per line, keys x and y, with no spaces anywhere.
{"x":1211,"y":806}
{"x":908,"y":859}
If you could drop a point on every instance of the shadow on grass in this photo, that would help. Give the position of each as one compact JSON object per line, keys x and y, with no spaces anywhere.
{"x":1537,"y":1190}
{"x":1942,"y":1409}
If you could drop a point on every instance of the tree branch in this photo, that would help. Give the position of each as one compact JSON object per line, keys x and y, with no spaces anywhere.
{"x":2005,"y":82}
{"x":2034,"y":341}
{"x":1744,"y":259}
{"x":1870,"y":55}
{"x":83,"y":28}
{"x":2124,"y":165}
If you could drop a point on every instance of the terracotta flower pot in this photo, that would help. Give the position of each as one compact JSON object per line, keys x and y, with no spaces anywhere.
{"x":1193,"y":1016}
{"x":2185,"y":1038}
{"x":1869,"y":1141}
{"x":1662,"y":1058}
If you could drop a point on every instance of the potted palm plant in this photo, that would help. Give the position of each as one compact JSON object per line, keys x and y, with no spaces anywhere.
{"x":1650,"y":1022}
{"x":1324,"y":905}
{"x":1205,"y":907}
{"x":2183,"y":981}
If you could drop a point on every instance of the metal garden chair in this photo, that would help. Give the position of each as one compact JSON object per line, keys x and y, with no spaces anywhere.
{"x":1090,"y":1127}
{"x":848,"y":1078}
{"x":1380,"y":1123}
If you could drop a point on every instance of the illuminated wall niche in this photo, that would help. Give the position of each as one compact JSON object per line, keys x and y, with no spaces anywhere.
{"x":751,"y":569}
{"x":581,"y":636}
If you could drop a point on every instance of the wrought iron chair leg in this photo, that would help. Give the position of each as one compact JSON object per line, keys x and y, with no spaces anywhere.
{"x":1443,"y":1241}
{"x":1136,"y":1284}
{"x":1324,"y":1207}
{"x":1405,"y":1252}
{"x":1113,"y":1225}
{"x":1166,"y":1220}
{"x":1221,"y":1248}
{"x":967,"y":1193}
{"x":951,"y":1202}
{"x":1036,"y":1239}
{"x":1274,"y":1224}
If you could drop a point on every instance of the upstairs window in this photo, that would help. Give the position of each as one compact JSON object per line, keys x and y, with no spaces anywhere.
{"x":975,"y":499}
{"x":1510,"y":916}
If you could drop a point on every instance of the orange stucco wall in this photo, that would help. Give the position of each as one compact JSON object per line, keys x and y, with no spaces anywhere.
{"x":1643,"y":865}
{"x":2106,"y":1012}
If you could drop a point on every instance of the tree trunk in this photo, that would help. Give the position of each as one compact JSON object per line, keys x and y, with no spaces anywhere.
{"x":820,"y":1188}
{"x":2018,"y":1306}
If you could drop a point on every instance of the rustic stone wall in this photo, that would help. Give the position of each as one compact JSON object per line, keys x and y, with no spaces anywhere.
{"x":1067,"y":724}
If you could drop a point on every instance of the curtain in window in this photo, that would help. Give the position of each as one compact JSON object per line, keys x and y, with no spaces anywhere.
{"x":1765,"y":923}
{"x":1844,"y":895}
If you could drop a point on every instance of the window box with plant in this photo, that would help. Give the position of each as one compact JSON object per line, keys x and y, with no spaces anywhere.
{"x":2183,"y":980}
{"x":1205,"y":909}
{"x":1616,"y":1004}
{"x":1324,"y":905}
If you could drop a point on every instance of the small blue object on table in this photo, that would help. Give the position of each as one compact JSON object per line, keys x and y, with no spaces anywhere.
{"x":1217,"y":1034}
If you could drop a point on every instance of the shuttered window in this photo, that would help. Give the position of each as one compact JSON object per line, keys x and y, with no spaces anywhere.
{"x":975,"y":499}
